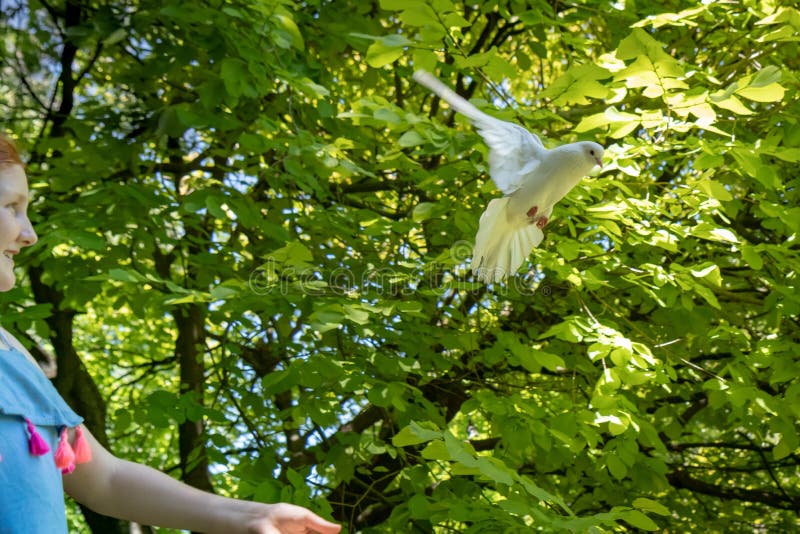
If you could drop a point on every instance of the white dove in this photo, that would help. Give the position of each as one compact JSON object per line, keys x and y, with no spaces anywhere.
{"x":531,"y":177}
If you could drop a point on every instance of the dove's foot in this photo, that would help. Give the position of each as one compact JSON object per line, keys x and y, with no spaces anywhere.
{"x":538,"y":221}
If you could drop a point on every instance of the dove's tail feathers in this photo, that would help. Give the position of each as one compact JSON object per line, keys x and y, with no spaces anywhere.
{"x":501,"y":245}
{"x":456,"y":101}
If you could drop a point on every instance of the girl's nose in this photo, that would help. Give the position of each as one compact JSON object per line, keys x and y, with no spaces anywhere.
{"x":27,"y":235}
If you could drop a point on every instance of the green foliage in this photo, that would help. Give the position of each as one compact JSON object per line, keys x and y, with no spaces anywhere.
{"x":267,"y":177}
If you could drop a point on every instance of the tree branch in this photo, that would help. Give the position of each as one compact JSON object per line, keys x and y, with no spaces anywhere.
{"x":682,"y":480}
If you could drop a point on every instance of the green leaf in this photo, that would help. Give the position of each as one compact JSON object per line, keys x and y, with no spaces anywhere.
{"x":222,"y":292}
{"x":399,"y":5}
{"x":568,"y":330}
{"x":423,"y":211}
{"x":214,"y":207}
{"x":577,"y":85}
{"x":416,"y":433}
{"x":425,"y":59}
{"x":714,"y":233}
{"x":792,"y":155}
{"x":168,"y":123}
{"x":287,"y":26}
{"x":386,"y":50}
{"x":126,"y":275}
{"x":234,"y":75}
{"x":455,"y":20}
{"x":708,"y":271}
{"x":356,"y":314}
{"x":413,"y":307}
{"x":611,"y":116}
{"x":476,"y":60}
{"x":616,"y":467}
{"x":293,"y":253}
{"x":379,"y":55}
{"x":436,"y":450}
{"x":89,"y":240}
{"x":549,"y":361}
{"x":684,"y":18}
{"x":767,"y":76}
{"x":770,"y":93}
{"x":752,"y":257}
{"x":781,"y":450}
{"x":419,"y":15}
{"x":708,"y":296}
{"x":163,"y":408}
{"x":649,"y":505}
{"x":715,"y":190}
{"x":636,"y":44}
{"x":327,"y":318}
{"x":495,"y":470}
{"x":637,"y":519}
{"x":410,"y":138}
{"x":115,"y":37}
{"x":731,"y":103}
{"x":419,"y":507}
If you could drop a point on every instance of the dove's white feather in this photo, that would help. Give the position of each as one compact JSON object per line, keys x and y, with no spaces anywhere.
{"x":502,"y":242}
{"x":528,"y":174}
{"x":513,"y":150}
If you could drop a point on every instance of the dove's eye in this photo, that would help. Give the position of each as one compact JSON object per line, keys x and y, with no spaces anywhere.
{"x":591,"y":152}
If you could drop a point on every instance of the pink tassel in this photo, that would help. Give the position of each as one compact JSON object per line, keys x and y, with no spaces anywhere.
{"x":65,"y":456}
{"x":36,"y":444}
{"x":83,"y":453}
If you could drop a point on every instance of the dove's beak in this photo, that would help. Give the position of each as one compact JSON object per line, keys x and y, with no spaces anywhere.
{"x":599,"y":162}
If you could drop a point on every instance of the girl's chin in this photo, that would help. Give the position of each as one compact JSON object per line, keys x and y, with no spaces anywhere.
{"x":7,"y":282}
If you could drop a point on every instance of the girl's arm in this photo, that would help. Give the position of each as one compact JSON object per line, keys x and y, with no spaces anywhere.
{"x":135,"y":492}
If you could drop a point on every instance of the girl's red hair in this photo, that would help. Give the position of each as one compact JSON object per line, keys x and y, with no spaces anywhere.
{"x":8,"y":152}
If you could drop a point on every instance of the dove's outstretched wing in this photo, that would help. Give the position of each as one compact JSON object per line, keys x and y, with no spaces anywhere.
{"x":514,"y":152}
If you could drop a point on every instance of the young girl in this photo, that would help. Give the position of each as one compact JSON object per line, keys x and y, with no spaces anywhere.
{"x":44,"y":449}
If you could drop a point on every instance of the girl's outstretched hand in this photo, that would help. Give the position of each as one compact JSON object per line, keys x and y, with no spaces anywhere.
{"x":140,"y":493}
{"x":282,"y":518}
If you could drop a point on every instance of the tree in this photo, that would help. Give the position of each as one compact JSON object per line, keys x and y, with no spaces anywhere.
{"x":254,"y":240}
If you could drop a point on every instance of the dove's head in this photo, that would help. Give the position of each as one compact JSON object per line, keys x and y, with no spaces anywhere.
{"x":593,"y":152}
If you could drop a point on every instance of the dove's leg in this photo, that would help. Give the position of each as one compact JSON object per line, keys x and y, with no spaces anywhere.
{"x":540,"y":222}
{"x":531,"y":213}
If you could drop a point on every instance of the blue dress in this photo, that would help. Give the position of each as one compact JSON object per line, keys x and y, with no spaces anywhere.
{"x":31,"y":490}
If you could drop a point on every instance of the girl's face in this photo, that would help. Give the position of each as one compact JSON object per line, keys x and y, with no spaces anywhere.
{"x":15,"y":228}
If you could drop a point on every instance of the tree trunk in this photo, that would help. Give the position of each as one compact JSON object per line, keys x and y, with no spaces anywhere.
{"x":188,"y":349}
{"x":75,"y":384}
